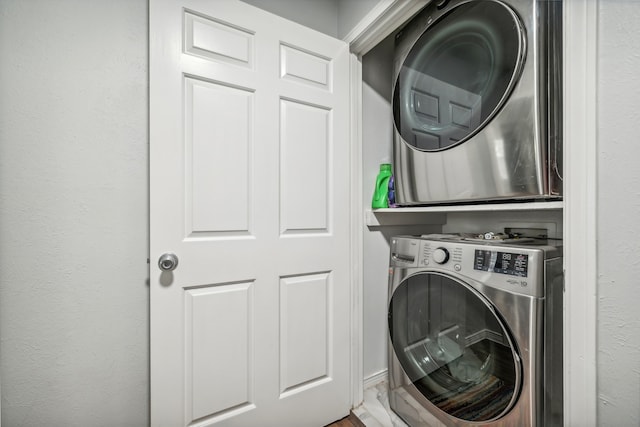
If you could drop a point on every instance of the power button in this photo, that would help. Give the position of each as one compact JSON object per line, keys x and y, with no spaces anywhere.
{"x":457,"y":267}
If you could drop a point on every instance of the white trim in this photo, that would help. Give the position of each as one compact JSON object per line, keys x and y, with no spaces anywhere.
{"x":368,"y":20}
{"x":357,"y":249}
{"x":383,"y":19}
{"x":372,"y":380}
{"x":580,"y":258}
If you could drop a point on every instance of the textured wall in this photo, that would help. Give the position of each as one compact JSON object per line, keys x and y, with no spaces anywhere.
{"x":618,"y":208}
{"x":73,"y":213}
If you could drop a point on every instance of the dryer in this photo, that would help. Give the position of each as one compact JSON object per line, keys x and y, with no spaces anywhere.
{"x":477,"y":102}
{"x":475,"y":332}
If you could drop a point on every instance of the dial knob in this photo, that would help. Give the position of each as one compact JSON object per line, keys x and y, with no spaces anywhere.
{"x":441,"y":255}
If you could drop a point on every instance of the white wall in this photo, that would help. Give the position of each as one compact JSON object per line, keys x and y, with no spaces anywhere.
{"x":377,"y":137}
{"x":320,"y":15}
{"x":618,"y":208}
{"x":376,"y":141}
{"x":333,"y":17}
{"x":73,"y":213}
{"x":350,"y":12}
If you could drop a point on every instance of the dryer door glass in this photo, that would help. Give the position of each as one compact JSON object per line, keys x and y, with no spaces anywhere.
{"x":458,"y":75}
{"x":454,"y":348}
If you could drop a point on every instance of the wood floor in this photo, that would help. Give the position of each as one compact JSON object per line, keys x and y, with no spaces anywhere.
{"x":350,"y":421}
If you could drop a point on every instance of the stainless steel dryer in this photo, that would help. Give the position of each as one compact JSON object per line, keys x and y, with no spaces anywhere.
{"x":477,"y":102}
{"x":475,"y":332}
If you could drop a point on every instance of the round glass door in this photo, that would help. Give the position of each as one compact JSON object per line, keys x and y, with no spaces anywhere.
{"x":454,"y":348}
{"x":458,"y":75}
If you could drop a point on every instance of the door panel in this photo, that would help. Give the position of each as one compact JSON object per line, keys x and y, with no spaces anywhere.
{"x":216,"y":354}
{"x":219,"y":41}
{"x":216,"y":170}
{"x":305,"y":148}
{"x":305,"y":358}
{"x":305,"y":67}
{"x":249,"y":188}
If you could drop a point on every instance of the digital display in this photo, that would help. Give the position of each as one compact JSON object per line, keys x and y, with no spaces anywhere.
{"x":502,"y":262}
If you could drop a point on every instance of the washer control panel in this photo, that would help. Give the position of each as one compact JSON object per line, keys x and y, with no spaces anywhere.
{"x":434,"y":253}
{"x":509,"y":263}
{"x":505,"y":266}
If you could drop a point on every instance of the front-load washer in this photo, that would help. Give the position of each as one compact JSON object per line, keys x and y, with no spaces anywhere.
{"x":475,"y":332}
{"x":477,"y":102}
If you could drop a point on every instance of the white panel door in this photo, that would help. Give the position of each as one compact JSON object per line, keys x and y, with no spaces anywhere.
{"x":250,"y":190}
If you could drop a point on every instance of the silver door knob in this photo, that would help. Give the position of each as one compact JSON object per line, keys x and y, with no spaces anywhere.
{"x":168,"y":262}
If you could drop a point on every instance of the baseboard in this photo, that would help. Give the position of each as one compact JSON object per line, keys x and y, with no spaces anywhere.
{"x":372,"y":380}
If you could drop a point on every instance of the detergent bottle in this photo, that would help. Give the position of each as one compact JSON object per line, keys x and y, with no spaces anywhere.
{"x":381,"y":191}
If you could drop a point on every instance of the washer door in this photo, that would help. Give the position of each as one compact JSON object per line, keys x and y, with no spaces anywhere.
{"x":458,"y":74}
{"x":454,"y":347}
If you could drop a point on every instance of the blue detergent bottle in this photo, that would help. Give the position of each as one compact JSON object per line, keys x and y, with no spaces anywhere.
{"x":381,"y":191}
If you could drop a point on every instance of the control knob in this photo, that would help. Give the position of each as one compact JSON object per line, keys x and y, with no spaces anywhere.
{"x":441,"y":255}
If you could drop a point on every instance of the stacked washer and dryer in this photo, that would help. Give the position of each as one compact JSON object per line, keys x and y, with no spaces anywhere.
{"x":475,"y":326}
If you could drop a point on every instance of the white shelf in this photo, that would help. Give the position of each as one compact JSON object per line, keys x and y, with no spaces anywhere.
{"x":491,"y":207}
{"x":438,"y":214}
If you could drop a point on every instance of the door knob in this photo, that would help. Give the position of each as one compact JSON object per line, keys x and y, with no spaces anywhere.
{"x":168,"y":262}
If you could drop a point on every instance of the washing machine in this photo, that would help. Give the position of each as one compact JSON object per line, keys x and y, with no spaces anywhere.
{"x":475,"y":331}
{"x":477,"y":103}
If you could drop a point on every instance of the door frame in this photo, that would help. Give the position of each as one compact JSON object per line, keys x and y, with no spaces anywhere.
{"x":580,"y":17}
{"x":580,"y":63}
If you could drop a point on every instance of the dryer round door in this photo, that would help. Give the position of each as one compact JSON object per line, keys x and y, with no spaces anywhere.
{"x":458,"y":74}
{"x":454,"y":347}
